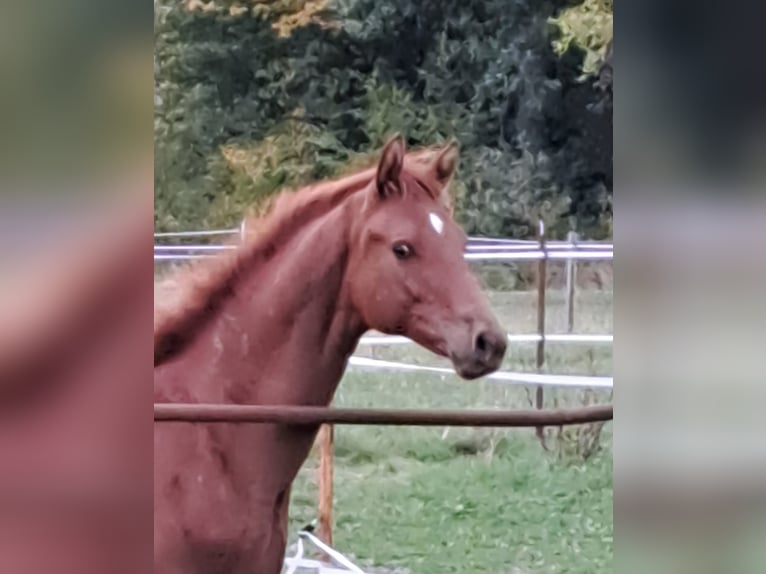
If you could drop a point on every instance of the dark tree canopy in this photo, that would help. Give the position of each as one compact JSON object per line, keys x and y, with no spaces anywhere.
{"x":252,"y":100}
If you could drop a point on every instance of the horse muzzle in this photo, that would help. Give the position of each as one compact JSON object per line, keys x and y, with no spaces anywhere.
{"x":483,"y":355}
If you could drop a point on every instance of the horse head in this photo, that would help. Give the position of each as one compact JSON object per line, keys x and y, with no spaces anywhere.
{"x":407,"y":274}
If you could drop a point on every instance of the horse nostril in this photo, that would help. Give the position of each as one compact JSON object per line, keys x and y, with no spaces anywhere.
{"x":480,"y":344}
{"x":488,"y":345}
{"x":484,"y":355}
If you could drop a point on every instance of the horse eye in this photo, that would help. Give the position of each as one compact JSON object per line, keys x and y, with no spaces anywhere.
{"x":402,"y":251}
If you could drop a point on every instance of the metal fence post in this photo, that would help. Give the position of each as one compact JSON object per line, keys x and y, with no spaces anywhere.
{"x":570,"y":286}
{"x":542,"y":280}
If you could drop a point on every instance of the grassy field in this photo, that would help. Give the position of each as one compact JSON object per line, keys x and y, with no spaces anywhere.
{"x":437,"y":501}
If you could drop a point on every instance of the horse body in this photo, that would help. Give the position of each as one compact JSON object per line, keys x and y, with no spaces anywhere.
{"x":277,"y":326}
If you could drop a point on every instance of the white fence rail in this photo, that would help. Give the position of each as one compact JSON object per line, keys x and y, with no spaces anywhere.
{"x":475,"y":243}
{"x":193,"y":247}
{"x":478,"y":248}
{"x":539,"y":254}
{"x":386,"y":340}
{"x":198,"y":233}
{"x":550,"y":247}
{"x":509,"y":377}
{"x":515,"y":256}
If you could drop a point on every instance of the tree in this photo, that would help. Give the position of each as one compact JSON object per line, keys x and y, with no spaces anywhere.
{"x":280,"y":93}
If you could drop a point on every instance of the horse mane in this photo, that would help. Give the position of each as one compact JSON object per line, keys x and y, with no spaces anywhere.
{"x":188,"y":299}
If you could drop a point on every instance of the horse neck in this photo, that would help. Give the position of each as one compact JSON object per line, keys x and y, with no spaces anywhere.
{"x":291,"y":320}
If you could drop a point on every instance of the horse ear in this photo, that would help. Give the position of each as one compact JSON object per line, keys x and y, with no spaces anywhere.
{"x":390,"y":165}
{"x":446,"y":162}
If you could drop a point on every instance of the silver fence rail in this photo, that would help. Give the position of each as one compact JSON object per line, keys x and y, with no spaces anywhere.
{"x":478,"y":249}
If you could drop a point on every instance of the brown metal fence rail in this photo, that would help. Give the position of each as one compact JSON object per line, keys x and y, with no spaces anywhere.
{"x":302,"y":415}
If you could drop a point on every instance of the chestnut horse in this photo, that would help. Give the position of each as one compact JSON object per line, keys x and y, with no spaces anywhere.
{"x":275,"y":322}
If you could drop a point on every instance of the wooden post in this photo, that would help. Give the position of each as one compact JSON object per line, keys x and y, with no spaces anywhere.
{"x":542,"y":280}
{"x":326,"y":463}
{"x":571,"y":280}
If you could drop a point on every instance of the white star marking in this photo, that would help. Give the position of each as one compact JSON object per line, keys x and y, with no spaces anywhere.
{"x":436,"y":222}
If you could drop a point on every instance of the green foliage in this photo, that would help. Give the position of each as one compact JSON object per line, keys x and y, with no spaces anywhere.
{"x":291,"y":155}
{"x":390,"y":109}
{"x":589,"y":25}
{"x":511,"y":193}
{"x":252,"y":100}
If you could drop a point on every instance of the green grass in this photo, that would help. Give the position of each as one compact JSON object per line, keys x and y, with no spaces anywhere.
{"x":436,"y":500}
